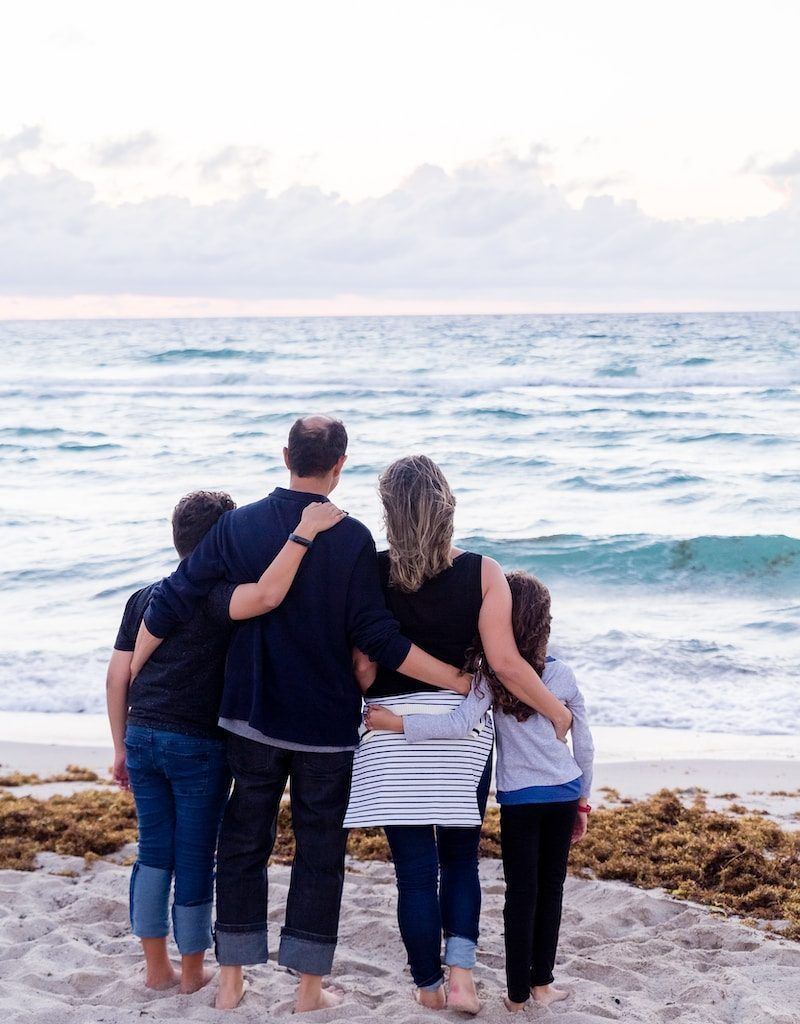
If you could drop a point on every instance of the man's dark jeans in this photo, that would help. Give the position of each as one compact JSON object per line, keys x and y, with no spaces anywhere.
{"x":320,"y":789}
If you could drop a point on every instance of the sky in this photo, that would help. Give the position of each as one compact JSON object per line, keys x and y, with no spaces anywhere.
{"x":360,"y":157}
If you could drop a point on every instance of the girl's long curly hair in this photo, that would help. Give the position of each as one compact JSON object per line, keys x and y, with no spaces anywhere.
{"x":530,"y":620}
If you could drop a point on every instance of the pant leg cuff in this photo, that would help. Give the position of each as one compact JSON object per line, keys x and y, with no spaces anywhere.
{"x":240,"y":948}
{"x":306,"y":956}
{"x":192,"y":928}
{"x":433,"y":987}
{"x":459,"y":952}
{"x":149,"y":901}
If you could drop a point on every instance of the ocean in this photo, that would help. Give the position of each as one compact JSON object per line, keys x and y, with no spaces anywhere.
{"x":646,"y":467}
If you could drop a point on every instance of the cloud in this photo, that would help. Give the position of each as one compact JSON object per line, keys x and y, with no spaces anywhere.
{"x":492,"y":230}
{"x":12,"y":146}
{"x":785,"y":168}
{"x":131,"y":149}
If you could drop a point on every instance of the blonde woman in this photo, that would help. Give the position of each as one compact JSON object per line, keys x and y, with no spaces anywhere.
{"x":430,"y":797}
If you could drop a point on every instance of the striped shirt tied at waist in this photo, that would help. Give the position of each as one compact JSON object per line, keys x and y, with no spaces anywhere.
{"x":434,"y":782}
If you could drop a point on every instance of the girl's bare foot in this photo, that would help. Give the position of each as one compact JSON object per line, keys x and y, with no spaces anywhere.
{"x":461,"y":994}
{"x":544,"y":995}
{"x":231,"y":988}
{"x":431,"y":999}
{"x":513,"y":1007}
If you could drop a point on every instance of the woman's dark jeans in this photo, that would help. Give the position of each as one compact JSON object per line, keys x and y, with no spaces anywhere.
{"x":180,"y":784}
{"x":438,"y":890}
{"x":320,"y":788}
{"x":536,"y":840}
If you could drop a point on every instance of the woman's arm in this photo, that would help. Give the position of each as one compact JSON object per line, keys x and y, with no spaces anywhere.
{"x":252,"y":599}
{"x":500,"y":648}
{"x":118,"y":677}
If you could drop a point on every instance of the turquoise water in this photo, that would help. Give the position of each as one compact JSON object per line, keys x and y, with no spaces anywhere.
{"x":647,"y":467}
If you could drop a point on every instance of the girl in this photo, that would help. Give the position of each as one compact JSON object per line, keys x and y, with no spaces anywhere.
{"x":431,"y":801}
{"x":167,"y":746}
{"x":542,"y":789}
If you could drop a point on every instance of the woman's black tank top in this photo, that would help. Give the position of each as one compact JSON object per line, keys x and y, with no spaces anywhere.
{"x":441,"y":618}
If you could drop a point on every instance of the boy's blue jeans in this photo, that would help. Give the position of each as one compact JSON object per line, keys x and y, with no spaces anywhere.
{"x":180,"y":785}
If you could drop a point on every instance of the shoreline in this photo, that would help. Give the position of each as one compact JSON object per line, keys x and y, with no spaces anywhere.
{"x":760,"y":772}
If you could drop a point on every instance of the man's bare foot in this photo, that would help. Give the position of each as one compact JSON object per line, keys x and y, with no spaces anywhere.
{"x":231,"y":988}
{"x":461,"y":994}
{"x":194,"y":980}
{"x":544,"y":995}
{"x":513,"y":1007}
{"x":322,"y":1000}
{"x":161,"y":978}
{"x":431,"y":999}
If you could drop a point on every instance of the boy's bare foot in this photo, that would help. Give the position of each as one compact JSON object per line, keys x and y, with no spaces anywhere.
{"x":326,"y":998}
{"x":544,"y":995}
{"x":161,"y":978}
{"x":231,"y":988}
{"x":159,"y":972}
{"x":461,"y":994}
{"x":513,"y":1007}
{"x":431,"y":999}
{"x":194,"y":980}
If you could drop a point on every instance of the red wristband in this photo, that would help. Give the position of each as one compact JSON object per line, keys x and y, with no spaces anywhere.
{"x":584,"y":808}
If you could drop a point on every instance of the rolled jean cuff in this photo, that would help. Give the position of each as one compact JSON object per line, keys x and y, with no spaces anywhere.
{"x":459,"y":952}
{"x":433,"y":987}
{"x":149,"y":901}
{"x":240,"y":946}
{"x":306,"y":955}
{"x":192,"y":928}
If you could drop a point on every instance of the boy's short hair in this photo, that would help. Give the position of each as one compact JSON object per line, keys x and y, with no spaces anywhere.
{"x":194,"y":515}
{"x":316,"y":443}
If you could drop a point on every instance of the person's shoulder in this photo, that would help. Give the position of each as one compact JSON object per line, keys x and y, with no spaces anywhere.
{"x":352,"y":527}
{"x":558,"y":675}
{"x":140,"y":598}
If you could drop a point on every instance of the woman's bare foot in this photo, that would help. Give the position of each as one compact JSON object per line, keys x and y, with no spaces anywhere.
{"x":513,"y":1007}
{"x":231,"y":988}
{"x":431,"y":999}
{"x":461,"y":994}
{"x":309,"y":998}
{"x":544,"y":995}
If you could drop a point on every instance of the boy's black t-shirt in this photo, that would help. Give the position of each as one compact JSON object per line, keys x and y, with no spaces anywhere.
{"x":180,"y":687}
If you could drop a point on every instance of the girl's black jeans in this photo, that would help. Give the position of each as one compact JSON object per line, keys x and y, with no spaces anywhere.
{"x":535,"y":840}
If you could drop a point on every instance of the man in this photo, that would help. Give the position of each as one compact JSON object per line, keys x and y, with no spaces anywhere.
{"x":291,"y":706}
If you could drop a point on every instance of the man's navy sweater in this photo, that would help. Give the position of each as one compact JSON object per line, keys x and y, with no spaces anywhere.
{"x":288,"y":674}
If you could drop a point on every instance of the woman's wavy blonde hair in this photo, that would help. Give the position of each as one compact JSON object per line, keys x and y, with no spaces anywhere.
{"x":418,"y":509}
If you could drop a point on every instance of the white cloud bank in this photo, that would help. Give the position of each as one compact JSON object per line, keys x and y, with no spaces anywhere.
{"x":491,"y":235}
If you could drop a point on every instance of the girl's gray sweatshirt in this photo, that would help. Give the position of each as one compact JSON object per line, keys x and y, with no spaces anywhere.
{"x":528,"y":753}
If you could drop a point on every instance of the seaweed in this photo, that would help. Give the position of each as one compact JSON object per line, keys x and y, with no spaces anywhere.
{"x":741,"y":864}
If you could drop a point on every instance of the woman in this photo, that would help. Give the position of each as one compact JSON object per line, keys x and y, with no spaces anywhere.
{"x":431,"y":797}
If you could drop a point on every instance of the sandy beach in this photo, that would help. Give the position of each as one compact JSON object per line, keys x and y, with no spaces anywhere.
{"x":67,"y":955}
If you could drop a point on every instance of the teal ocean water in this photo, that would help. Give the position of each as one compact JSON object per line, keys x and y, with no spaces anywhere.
{"x":646,"y":467}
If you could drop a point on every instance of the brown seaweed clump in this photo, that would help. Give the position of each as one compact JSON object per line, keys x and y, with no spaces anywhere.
{"x":86,"y":824}
{"x":72,"y":773}
{"x":739,"y":863}
{"x":742,"y":864}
